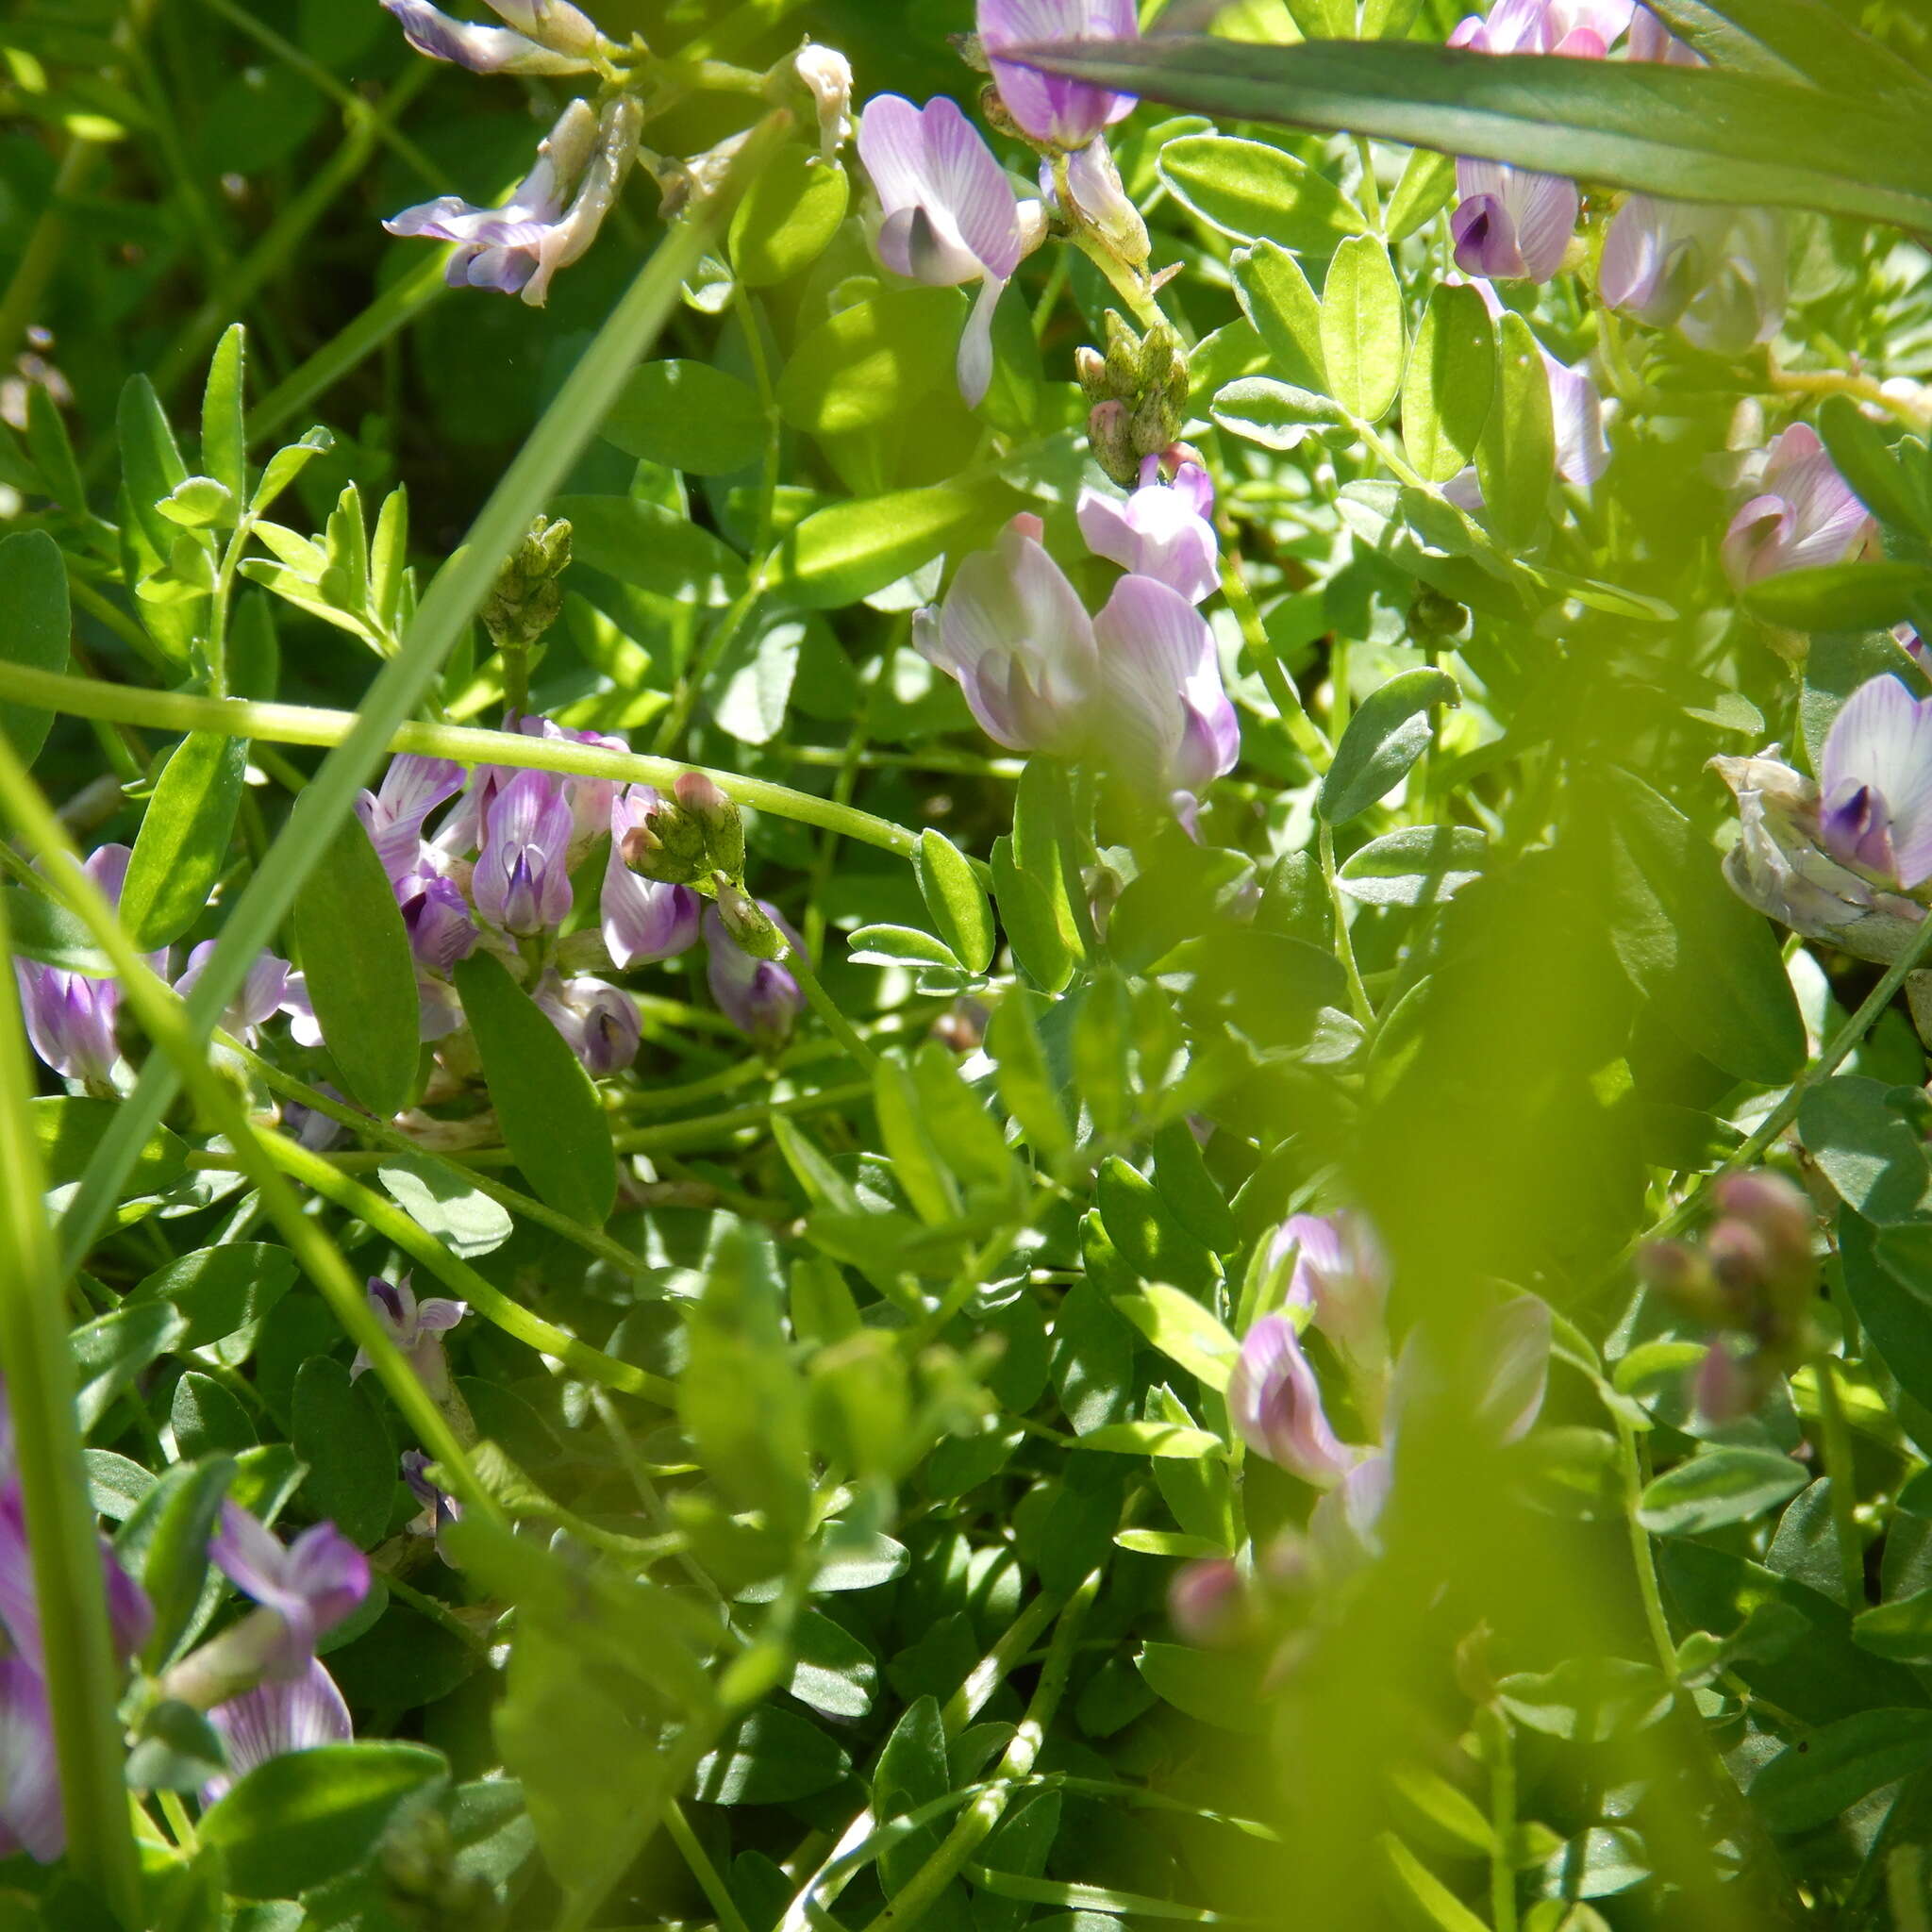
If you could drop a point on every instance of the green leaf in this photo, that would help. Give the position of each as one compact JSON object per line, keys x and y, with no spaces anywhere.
{"x":688,"y":416}
{"x":1284,"y":311}
{"x":219,"y":1289}
{"x":1275,"y":414}
{"x":646,"y":544}
{"x":68,"y":1130}
{"x":354,"y":951}
{"x":1710,"y":965}
{"x":1450,"y":384}
{"x":1420,"y":1896}
{"x":1901,"y":1629}
{"x":1588,"y":1700}
{"x":1894,"y":493}
{"x":111,"y":1350}
{"x":33,"y":594}
{"x":1219,"y":1689}
{"x":208,"y":1419}
{"x":1387,"y":733}
{"x":312,"y":1815}
{"x":551,"y":1119}
{"x":901,"y":945}
{"x":1257,"y":194}
{"x":287,"y":464}
{"x":438,"y":1199}
{"x":1024,"y":1079}
{"x":1888,"y":1281}
{"x":790,"y":210}
{"x":1807,"y":1783}
{"x":1032,"y":929}
{"x":833,"y":1670}
{"x":849,"y":550}
{"x":1427,"y":187}
{"x":1839,"y":597}
{"x":954,"y":896}
{"x":1516,"y":454}
{"x":1789,"y":38}
{"x":1420,"y":865}
{"x":150,"y":462}
{"x":1147,"y":1234}
{"x":177,"y":1750}
{"x":1716,"y":1487}
{"x":1695,"y":135}
{"x":918,"y":1163}
{"x":1169,"y":1440}
{"x":39,"y":928}
{"x":866,"y":365}
{"x":1363,"y":329}
{"x":911,"y":1773}
{"x":750,"y":689}
{"x":1184,"y":1331}
{"x":774,"y":1756}
{"x":1869,"y":1152}
{"x":184,"y":838}
{"x":165,"y":1542}
{"x":338,"y":1428}
{"x":224,"y":439}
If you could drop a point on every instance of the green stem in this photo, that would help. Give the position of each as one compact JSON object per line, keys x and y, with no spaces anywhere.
{"x":1842,"y":1472}
{"x":1499,"y":1755}
{"x":916,"y":1897}
{"x":692,"y":684}
{"x":592,"y":1241}
{"x":1344,"y":946}
{"x":1240,"y":600}
{"x":170,"y":710}
{"x":1786,"y":1111}
{"x":321,"y":1177}
{"x":821,"y":1001}
{"x":1643,"y":1558}
{"x":1371,"y":189}
{"x":729,"y":1917}
{"x":83,"y":1683}
{"x":44,"y":246}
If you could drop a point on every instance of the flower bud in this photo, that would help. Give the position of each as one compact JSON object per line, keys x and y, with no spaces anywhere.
{"x":1725,"y":1388}
{"x":1089,"y":366}
{"x":1207,"y":1605}
{"x":1110,"y":435}
{"x":719,"y":820}
{"x":669,"y":847}
{"x":746,"y":920}
{"x":824,"y":74}
{"x":525,"y":599}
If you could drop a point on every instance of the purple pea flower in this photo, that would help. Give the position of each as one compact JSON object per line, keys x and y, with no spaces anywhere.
{"x":757,"y":996}
{"x":949,"y":214}
{"x":644,"y":920}
{"x":1014,"y":636}
{"x":70,"y":1017}
{"x":282,"y":1715}
{"x":1717,"y":274}
{"x":1804,"y":516}
{"x":417,"y":1328}
{"x":569,"y":46}
{"x":1583,"y":28}
{"x":1511,"y":223}
{"x":1167,"y":722}
{"x":261,"y":995}
{"x":440,"y":1509}
{"x":437,"y":918}
{"x":1161,"y":531}
{"x":522,"y":881}
{"x":302,"y":1591}
{"x":392,"y":815}
{"x":1340,"y":1276}
{"x":1345,"y":1523}
{"x":600,"y":1023}
{"x":1050,"y":107}
{"x":517,"y":248}
{"x":1874,"y":783}
{"x":30,"y":1813}
{"x":1275,"y":1406}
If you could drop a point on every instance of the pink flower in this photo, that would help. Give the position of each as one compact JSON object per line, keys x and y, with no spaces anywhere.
{"x":1275,"y":1406}
{"x":1804,"y":516}
{"x":1874,"y":784}
{"x":1160,"y":531}
{"x":1052,"y":108}
{"x":1511,"y":223}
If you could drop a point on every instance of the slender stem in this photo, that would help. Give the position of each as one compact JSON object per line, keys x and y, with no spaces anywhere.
{"x":915,"y":1898}
{"x":81,"y":1675}
{"x":1499,"y":1754}
{"x":1841,"y":1470}
{"x":1371,"y":189}
{"x":1786,"y":1111}
{"x":729,"y":1917}
{"x":482,"y":1295}
{"x":840,"y":1027}
{"x":1344,"y":946}
{"x":1863,"y":388}
{"x":169,"y":710}
{"x":44,"y":249}
{"x":1301,"y":727}
{"x":1643,"y":1558}
{"x":692,"y":684}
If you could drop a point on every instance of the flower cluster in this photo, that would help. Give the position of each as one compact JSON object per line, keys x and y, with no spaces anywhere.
{"x":1752,"y":1278}
{"x":1137,"y":686}
{"x":1848,"y":857}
